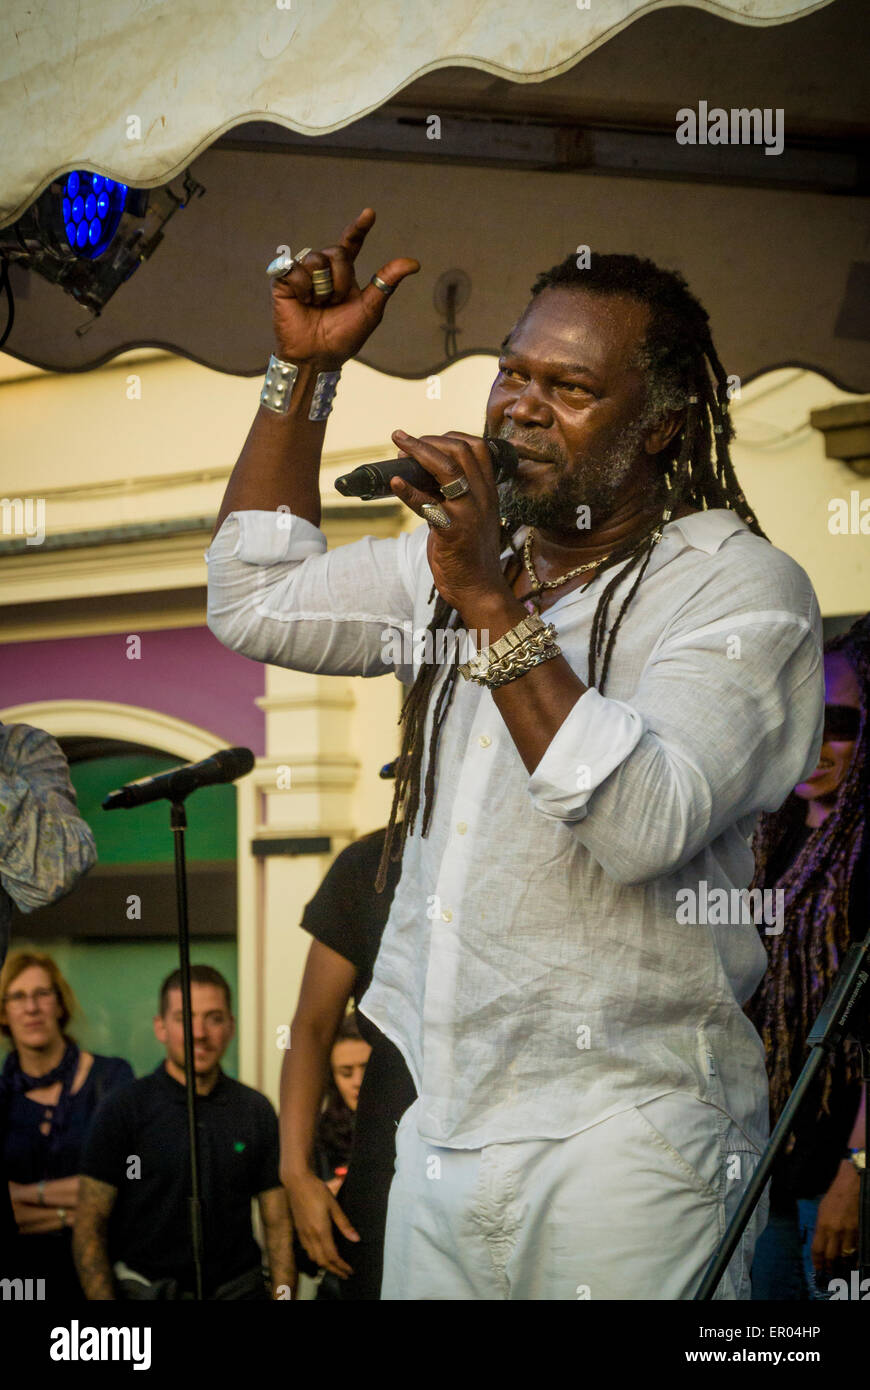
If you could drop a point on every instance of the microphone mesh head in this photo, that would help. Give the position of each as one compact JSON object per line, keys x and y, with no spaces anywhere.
{"x":505,"y":458}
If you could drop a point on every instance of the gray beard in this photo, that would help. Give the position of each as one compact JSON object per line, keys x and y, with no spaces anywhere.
{"x":597,"y":485}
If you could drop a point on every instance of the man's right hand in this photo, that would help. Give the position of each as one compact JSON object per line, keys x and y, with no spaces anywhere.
{"x":329,"y":331}
{"x":279,"y":463}
{"x":314,"y":1210}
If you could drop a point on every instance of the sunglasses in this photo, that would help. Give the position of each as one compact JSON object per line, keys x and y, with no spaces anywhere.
{"x":841,"y":723}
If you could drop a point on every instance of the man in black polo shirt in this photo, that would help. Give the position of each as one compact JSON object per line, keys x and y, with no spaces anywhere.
{"x":132,"y":1232}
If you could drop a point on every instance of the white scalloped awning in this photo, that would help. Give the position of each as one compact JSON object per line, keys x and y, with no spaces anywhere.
{"x":76,"y":79}
{"x":526,"y":170}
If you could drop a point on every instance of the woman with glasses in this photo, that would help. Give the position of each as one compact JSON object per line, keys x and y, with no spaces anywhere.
{"x":49,"y":1090}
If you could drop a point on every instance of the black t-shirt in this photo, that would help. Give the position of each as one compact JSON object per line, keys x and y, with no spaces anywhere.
{"x":811,"y":1159}
{"x":347,"y":915}
{"x":149,"y":1227}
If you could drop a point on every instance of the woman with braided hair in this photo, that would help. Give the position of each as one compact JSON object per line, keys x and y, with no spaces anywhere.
{"x":646,"y":678}
{"x":816,"y":849}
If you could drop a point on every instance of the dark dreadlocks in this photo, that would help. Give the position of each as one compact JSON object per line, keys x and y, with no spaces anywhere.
{"x":683,"y":372}
{"x":805,"y":957}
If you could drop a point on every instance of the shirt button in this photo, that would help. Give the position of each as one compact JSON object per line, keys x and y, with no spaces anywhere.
{"x":484,"y":740}
{"x":447,"y":915}
{"x":461,"y":827}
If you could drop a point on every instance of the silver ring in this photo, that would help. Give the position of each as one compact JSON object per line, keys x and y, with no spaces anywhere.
{"x":457,"y":488}
{"x":385,"y":289}
{"x":435,"y":515}
{"x":283,"y":264}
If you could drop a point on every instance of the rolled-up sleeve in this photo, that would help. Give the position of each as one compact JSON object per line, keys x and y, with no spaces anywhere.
{"x":726,"y":719}
{"x":276,"y":594}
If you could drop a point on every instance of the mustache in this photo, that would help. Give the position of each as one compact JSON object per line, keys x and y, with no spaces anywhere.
{"x":537,"y":447}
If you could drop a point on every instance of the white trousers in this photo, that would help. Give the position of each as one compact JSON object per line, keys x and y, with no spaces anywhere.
{"x":632,"y":1208}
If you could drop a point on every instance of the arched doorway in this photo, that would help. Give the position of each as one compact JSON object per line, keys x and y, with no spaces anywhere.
{"x":114,"y":935}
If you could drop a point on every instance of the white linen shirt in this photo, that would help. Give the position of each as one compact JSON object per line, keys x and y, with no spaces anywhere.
{"x":532,"y":970}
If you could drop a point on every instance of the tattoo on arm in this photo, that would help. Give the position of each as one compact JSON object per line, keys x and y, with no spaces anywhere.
{"x":90,"y":1238}
{"x":278,"y":1235}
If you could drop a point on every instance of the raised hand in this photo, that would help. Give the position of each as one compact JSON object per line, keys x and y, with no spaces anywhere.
{"x":329,"y":331}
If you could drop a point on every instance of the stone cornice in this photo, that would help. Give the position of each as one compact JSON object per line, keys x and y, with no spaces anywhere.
{"x":139,"y":577}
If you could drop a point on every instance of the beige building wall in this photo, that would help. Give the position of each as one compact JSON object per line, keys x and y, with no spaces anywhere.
{"x":151,"y":438}
{"x":780,"y":461}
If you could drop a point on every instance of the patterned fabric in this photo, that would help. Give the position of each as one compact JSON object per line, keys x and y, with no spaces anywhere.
{"x":45,"y":846}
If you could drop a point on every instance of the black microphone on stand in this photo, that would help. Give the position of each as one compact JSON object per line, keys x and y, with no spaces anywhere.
{"x":372,"y":480}
{"x":224,"y":766}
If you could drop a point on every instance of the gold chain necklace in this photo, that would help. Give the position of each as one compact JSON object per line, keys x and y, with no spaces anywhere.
{"x":539,"y":585}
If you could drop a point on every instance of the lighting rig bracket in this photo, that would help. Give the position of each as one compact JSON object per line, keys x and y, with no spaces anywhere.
{"x":43,"y":239}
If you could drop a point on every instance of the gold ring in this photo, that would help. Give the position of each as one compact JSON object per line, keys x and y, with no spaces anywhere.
{"x":457,"y":488}
{"x":321,"y":281}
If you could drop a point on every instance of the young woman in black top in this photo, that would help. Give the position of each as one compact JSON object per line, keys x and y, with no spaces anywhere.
{"x":343,"y":1232}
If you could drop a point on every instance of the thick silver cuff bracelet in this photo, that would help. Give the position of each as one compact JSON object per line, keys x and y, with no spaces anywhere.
{"x":324,"y":391}
{"x":278,"y":386}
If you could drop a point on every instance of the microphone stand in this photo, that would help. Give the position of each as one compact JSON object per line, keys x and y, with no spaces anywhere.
{"x":845,"y":1012}
{"x":178,"y":822}
{"x":175,"y":785}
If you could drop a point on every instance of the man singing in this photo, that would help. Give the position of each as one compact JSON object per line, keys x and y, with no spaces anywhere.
{"x":591,"y":1099}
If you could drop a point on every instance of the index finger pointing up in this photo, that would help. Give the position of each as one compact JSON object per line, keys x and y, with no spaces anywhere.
{"x":356,"y":232}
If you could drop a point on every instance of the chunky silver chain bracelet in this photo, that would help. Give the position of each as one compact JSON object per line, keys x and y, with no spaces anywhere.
{"x":524,"y":647}
{"x":532,"y":653}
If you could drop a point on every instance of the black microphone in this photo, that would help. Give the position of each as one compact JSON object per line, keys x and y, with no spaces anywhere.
{"x":373,"y":479}
{"x":224,"y":766}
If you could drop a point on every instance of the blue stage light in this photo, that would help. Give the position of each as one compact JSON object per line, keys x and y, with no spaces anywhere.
{"x":89,"y":234}
{"x":91,"y":209}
